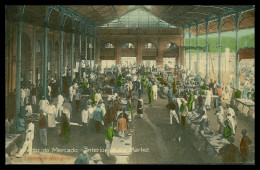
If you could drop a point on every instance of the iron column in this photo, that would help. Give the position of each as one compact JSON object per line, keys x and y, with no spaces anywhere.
{"x":237,"y":16}
{"x":207,"y":50}
{"x":219,"y":47}
{"x":189,"y":50}
{"x":18,"y":63}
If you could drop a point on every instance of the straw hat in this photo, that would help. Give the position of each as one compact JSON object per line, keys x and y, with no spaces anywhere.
{"x":99,"y":162}
{"x":96,"y":157}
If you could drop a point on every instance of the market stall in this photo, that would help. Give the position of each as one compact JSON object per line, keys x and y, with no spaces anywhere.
{"x":245,"y":106}
{"x":210,"y":140}
{"x":121,"y":148}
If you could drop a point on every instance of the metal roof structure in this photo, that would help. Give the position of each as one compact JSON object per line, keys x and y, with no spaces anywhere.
{"x":181,"y":16}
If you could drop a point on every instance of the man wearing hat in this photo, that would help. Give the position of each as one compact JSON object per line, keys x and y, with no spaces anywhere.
{"x":204,"y":121}
{"x":231,"y":117}
{"x":83,"y":157}
{"x":140,"y":103}
{"x":220,"y":119}
{"x":172,"y":108}
{"x":98,"y":116}
{"x":43,"y":104}
{"x":198,"y":79}
{"x":170,"y":95}
{"x":59,"y":104}
{"x":227,"y":90}
{"x":71,"y":92}
{"x":245,"y":141}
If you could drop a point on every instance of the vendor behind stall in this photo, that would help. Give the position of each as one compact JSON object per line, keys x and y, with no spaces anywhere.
{"x":190,"y":102}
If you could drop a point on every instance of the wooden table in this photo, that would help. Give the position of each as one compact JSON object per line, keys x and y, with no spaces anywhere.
{"x":246,"y":102}
{"x":248,"y":106}
{"x":213,"y":142}
{"x":121,"y":148}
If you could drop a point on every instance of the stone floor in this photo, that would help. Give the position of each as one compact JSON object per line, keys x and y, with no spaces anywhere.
{"x":152,"y":140}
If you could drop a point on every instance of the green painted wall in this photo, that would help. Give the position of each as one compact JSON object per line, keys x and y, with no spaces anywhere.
{"x":246,"y":38}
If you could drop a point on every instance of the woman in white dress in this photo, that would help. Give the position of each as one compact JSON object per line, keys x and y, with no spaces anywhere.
{"x":51,"y":115}
{"x":208,"y":94}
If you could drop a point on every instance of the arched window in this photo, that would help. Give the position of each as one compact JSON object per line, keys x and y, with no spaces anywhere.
{"x":149,"y":46}
{"x":128,"y":46}
{"x":109,"y":45}
{"x":172,"y":46}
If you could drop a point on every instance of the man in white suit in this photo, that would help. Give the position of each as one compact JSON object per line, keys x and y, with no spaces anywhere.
{"x":154,"y":87}
{"x":28,"y":141}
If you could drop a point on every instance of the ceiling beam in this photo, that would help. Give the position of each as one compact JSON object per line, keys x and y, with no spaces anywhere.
{"x":214,"y":17}
{"x":166,"y":11}
{"x":183,"y":13}
{"x":114,"y":9}
{"x":71,"y":13}
{"x":98,"y":13}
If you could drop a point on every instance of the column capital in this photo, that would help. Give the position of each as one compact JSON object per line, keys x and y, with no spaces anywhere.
{"x":219,"y":23}
{"x":236,"y":19}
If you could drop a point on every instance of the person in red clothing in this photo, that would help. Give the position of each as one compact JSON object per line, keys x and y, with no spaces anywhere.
{"x":245,"y":141}
{"x":43,"y":129}
{"x":219,"y":91}
{"x":121,"y":125}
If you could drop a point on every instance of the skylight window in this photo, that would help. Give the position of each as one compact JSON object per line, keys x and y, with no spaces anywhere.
{"x":139,"y":18}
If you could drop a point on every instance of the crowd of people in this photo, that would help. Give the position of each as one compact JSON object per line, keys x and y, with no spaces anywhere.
{"x":198,"y":95}
{"x":109,"y":111}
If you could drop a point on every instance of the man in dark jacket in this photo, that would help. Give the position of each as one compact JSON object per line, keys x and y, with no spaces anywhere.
{"x":229,"y":152}
{"x":43,"y":129}
{"x":98,"y":116}
{"x":83,"y":157}
{"x":65,"y":128}
{"x":109,"y":116}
